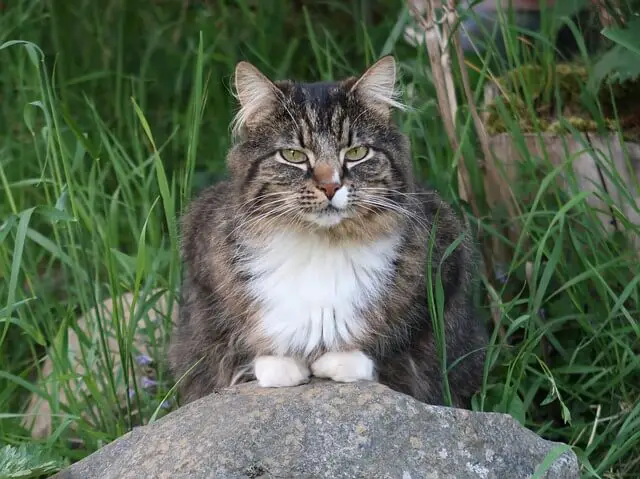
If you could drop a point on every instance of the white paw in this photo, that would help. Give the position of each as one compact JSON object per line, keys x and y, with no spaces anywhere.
{"x":344,"y":367}
{"x":280,"y":371}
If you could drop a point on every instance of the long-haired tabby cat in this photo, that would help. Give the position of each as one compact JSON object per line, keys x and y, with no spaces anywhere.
{"x":312,"y":258}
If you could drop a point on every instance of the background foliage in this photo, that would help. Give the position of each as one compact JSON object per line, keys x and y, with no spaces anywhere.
{"x":114,"y":113}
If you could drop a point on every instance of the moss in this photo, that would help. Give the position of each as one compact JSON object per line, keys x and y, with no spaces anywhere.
{"x":561,"y":102}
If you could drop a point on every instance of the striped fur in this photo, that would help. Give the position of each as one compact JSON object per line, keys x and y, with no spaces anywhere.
{"x":285,"y":277}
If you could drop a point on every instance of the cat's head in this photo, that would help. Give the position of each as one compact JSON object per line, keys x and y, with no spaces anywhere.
{"x":320,"y":155}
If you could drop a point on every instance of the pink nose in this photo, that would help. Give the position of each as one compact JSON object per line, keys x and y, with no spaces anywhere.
{"x":330,"y":189}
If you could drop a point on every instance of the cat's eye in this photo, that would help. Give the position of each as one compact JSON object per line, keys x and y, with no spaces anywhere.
{"x":293,"y":156}
{"x":356,"y":153}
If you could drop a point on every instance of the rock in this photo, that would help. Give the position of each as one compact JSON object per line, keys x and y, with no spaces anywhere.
{"x":595,"y":161}
{"x":323,"y":429}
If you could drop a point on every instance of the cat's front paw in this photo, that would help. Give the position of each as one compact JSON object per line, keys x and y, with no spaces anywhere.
{"x":344,"y":367}
{"x":280,"y":372}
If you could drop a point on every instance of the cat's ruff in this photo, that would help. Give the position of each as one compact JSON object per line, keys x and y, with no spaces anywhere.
{"x":313,"y":291}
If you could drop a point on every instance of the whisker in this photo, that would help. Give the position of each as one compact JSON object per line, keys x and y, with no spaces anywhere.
{"x":282,"y":101}
{"x":389,"y":205}
{"x":257,"y":227}
{"x":355,"y":121}
{"x":391,"y":190}
{"x":384,"y":203}
{"x":246,"y":222}
{"x":268,"y":217}
{"x":256,"y":199}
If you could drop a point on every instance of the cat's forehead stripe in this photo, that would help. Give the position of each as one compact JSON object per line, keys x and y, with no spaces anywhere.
{"x":320,"y":93}
{"x":321,"y":108}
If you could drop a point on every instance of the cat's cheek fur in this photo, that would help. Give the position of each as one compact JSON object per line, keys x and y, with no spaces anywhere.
{"x":280,"y":371}
{"x":344,"y":367}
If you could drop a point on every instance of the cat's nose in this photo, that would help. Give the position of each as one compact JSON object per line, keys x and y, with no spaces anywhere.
{"x":330,"y":189}
{"x":327,"y":179}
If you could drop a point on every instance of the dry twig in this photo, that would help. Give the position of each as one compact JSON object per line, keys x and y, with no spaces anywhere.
{"x":438,"y":44}
{"x":443,"y":80}
{"x":508,"y":198}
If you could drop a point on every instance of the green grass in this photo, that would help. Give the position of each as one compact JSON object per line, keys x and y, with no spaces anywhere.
{"x":113,"y":116}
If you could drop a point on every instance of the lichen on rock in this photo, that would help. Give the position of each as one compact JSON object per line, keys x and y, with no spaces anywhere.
{"x":558,"y":100}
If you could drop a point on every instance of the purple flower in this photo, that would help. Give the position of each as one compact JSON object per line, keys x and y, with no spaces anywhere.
{"x":166,"y":404}
{"x":148,"y":383}
{"x":144,"y":360}
{"x":501,"y":274}
{"x":132,"y":392}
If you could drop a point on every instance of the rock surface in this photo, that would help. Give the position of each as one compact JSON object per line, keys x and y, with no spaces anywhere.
{"x":324,"y":429}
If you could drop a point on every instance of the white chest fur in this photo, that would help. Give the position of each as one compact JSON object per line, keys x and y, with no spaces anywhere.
{"x":312,"y":292}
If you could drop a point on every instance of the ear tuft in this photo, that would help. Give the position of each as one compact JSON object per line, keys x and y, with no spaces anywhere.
{"x":256,"y":94}
{"x":377,"y":86}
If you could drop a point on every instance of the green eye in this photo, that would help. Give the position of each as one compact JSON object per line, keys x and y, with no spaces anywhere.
{"x":356,"y":154}
{"x":293,"y":156}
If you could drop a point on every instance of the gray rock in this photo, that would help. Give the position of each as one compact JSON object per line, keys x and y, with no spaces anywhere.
{"x":324,"y":429}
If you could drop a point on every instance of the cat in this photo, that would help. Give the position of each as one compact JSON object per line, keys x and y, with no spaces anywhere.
{"x":311,"y":259}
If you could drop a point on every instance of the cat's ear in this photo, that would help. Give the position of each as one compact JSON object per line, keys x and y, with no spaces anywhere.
{"x":377,"y":86}
{"x":256,"y":94}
